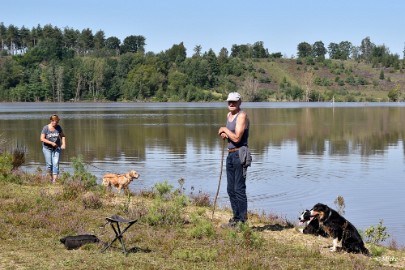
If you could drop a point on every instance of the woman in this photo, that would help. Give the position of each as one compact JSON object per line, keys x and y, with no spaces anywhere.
{"x":53,"y":141}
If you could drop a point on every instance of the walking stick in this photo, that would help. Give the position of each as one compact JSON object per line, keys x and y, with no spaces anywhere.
{"x":220,"y":176}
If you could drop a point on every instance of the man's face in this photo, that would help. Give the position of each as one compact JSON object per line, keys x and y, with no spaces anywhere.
{"x":233,"y":105}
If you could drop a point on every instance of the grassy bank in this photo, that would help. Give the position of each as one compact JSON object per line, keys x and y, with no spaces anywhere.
{"x":174,"y":231}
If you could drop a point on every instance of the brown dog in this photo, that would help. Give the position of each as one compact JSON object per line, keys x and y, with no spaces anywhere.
{"x":119,"y":181}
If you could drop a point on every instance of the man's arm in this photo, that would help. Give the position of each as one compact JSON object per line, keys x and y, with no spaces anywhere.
{"x":236,"y":136}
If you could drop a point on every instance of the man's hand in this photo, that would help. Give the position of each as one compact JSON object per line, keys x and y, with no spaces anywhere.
{"x":222,"y":132}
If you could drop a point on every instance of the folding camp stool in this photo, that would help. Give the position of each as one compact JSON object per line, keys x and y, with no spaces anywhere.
{"x":115,"y":224}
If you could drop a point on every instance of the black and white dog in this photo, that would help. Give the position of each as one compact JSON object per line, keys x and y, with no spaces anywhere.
{"x":339,"y":229}
{"x":311,"y":224}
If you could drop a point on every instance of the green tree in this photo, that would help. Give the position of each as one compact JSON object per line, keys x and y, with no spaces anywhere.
{"x":366,"y":49}
{"x":177,"y":53}
{"x":11,"y":73}
{"x":177,"y":83}
{"x":259,"y":51}
{"x":35,"y":85}
{"x":340,"y":51}
{"x":85,"y":41}
{"x":112,"y":82}
{"x":25,"y":38}
{"x":113,"y":43}
{"x":277,"y":55}
{"x":197,"y":71}
{"x":395,"y":93}
{"x":51,"y":77}
{"x":53,"y":34}
{"x":213,"y":68}
{"x":304,"y":49}
{"x":99,"y":78}
{"x":12,"y":39}
{"x":382,"y":75}
{"x":223,"y":56}
{"x":99,"y":40}
{"x":36,"y":35}
{"x":70,"y":38}
{"x":60,"y":85}
{"x":319,"y":50}
{"x":345,"y":48}
{"x":242,"y":51}
{"x":333,"y":50}
{"x":143,"y":82}
{"x":355,"y":52}
{"x":47,"y":50}
{"x":3,"y":36}
{"x":197,"y":51}
{"x":133,"y":44}
{"x":294,"y":93}
{"x":379,"y":52}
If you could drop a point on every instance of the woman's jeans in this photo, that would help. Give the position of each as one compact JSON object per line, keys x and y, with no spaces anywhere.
{"x":52,"y":159}
{"x":236,"y":187}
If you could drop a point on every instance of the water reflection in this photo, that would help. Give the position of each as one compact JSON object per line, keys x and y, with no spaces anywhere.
{"x":303,"y":153}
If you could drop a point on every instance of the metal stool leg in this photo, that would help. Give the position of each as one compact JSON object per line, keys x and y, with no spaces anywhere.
{"x":118,"y":233}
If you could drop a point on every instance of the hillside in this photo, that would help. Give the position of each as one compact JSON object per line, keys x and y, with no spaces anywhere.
{"x":148,"y":77}
{"x":344,"y":80}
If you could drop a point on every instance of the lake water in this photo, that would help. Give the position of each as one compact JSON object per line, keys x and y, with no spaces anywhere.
{"x":303,"y":153}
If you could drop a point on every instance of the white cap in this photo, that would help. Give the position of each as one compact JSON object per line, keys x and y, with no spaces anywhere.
{"x":234,"y":96}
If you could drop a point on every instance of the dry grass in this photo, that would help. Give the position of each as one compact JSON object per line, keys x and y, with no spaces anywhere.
{"x":35,"y":215}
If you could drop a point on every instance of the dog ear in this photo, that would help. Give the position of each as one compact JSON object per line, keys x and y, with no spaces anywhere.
{"x":134,"y":174}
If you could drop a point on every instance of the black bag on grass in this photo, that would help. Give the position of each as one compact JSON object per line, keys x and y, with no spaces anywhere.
{"x":75,"y":242}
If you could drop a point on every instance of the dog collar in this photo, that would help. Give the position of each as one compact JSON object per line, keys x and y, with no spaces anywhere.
{"x":330,"y":213}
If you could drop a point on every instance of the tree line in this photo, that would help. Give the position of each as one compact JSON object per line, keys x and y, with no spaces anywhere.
{"x":367,"y":51}
{"x":52,"y":64}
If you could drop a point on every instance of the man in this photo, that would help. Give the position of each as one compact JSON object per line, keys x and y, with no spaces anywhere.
{"x":237,"y":133}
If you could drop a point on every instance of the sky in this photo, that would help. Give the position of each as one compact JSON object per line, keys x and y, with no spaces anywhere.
{"x":214,"y":24}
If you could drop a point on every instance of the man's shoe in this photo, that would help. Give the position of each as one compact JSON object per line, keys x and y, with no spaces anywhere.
{"x":230,"y":225}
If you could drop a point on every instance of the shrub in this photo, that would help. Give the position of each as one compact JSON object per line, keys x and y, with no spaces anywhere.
{"x":376,"y":234}
{"x":202,"y":227}
{"x":196,"y":255}
{"x":166,"y":213}
{"x":80,"y":173}
{"x":91,"y":201}
{"x":376,"y":250}
{"x":201,"y":199}
{"x":18,"y":157}
{"x":81,"y":179}
{"x":381,"y":75}
{"x":246,"y":236}
{"x":6,"y":167}
{"x":340,"y":204}
{"x":163,"y":188}
{"x":72,"y":189}
{"x":5,"y":164}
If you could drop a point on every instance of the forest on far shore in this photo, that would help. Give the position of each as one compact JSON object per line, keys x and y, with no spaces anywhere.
{"x":49,"y":64}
